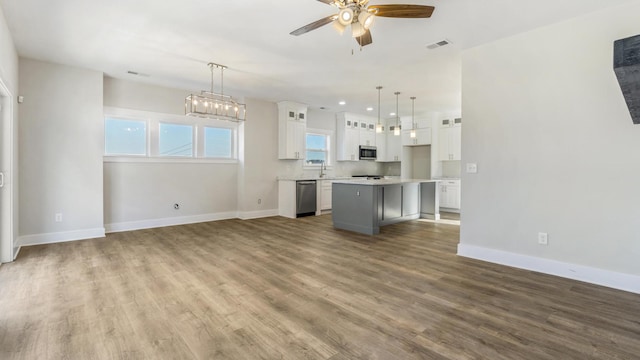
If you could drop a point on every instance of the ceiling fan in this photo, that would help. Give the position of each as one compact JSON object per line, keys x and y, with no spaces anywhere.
{"x":360,"y":16}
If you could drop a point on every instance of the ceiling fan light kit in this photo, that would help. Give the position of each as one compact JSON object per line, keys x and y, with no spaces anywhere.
{"x":345,"y":16}
{"x":357,"y":30}
{"x":212,"y":105}
{"x":360,"y":16}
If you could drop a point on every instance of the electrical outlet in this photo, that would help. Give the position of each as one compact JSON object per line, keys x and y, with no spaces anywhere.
{"x":58,"y":217}
{"x":472,"y":168}
{"x":543,"y":238}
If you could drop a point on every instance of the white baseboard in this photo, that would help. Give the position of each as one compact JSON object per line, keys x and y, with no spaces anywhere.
{"x":155,"y":223}
{"x":246,"y":215}
{"x":63,"y":236}
{"x":612,"y":279}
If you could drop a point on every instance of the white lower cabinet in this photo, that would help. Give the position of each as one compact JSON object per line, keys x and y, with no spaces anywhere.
{"x":450,"y":194}
{"x":325,"y":194}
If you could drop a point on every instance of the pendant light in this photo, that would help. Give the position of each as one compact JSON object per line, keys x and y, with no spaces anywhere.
{"x":396,"y":131}
{"x":412,"y":134}
{"x":379,"y":125}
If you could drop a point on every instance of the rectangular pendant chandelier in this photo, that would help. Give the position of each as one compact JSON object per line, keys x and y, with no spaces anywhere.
{"x":212,"y":105}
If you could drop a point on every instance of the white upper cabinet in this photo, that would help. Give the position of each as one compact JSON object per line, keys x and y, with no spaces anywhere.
{"x":352,"y":131}
{"x":367,"y":133}
{"x":394,"y":145}
{"x":423,"y":137}
{"x":450,"y":139}
{"x":292,"y":119}
{"x":347,"y":138}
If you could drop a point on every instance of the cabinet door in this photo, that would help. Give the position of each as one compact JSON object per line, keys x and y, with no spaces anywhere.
{"x":381,"y":144}
{"x":455,"y":143}
{"x":299,"y":135}
{"x":443,"y":143}
{"x":444,"y":201}
{"x":325,"y":198}
{"x":453,"y":191}
{"x":423,"y":136}
{"x":407,"y":140}
{"x":367,"y":138}
{"x":394,"y":147}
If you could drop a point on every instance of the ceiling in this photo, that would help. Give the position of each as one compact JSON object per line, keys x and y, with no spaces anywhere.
{"x":172,"y":42}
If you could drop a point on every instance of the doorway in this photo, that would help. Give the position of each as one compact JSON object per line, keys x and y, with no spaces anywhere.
{"x":6,"y":174}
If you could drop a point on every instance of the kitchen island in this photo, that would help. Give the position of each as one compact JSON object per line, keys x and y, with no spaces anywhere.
{"x":365,"y":205}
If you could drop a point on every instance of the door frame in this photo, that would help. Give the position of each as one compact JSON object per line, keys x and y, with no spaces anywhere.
{"x":7,"y":153}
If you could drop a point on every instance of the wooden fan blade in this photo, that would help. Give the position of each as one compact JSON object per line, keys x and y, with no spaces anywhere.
{"x":314,"y":25}
{"x":402,"y":10}
{"x":365,"y":39}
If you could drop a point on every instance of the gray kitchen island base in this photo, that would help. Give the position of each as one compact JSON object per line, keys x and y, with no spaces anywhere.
{"x":365,"y":205}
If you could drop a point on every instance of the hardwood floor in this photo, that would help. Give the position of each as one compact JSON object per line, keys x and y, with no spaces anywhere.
{"x":278,"y":288}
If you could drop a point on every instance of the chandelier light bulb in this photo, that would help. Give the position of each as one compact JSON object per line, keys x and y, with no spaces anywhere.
{"x":346,"y":16}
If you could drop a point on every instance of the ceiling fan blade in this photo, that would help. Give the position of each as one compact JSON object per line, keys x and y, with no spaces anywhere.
{"x":402,"y":10}
{"x":365,"y":39}
{"x":314,"y":25}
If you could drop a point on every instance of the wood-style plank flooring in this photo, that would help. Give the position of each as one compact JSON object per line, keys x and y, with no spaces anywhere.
{"x":278,"y":288}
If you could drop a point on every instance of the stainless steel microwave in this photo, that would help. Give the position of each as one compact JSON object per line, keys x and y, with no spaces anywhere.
{"x":368,"y":152}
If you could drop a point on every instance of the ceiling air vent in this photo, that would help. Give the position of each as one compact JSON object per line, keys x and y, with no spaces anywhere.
{"x":438,"y":44}
{"x":135,"y":73}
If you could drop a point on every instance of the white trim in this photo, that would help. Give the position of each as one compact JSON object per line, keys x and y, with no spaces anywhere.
{"x":15,"y":256}
{"x":7,"y":204}
{"x":612,"y":279}
{"x":155,"y":223}
{"x":64,"y":236}
{"x":165,"y":160}
{"x":246,"y":215}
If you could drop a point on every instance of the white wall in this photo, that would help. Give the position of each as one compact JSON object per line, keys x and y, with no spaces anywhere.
{"x":9,"y":162}
{"x":259,"y":162}
{"x":545,"y":121}
{"x":141,"y":194}
{"x":60,"y":152}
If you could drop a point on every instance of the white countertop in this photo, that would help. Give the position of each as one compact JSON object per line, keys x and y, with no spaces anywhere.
{"x":384,"y":181}
{"x":297,"y":178}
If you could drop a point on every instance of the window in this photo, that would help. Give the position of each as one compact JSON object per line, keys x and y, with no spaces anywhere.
{"x":218,"y":143}
{"x":125,"y":137}
{"x":317,"y":149}
{"x":175,"y":140}
{"x":156,"y":137}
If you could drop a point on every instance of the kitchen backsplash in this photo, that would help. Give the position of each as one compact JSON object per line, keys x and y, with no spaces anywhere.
{"x":339,"y":168}
{"x":451,"y":169}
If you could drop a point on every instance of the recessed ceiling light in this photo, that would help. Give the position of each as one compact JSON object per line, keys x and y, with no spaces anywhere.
{"x":392,"y":114}
{"x":342,"y":102}
{"x":369,"y":108}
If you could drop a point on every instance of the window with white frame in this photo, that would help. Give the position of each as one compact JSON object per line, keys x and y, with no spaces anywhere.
{"x":125,"y":137}
{"x":218,"y":143}
{"x":317,"y":148}
{"x":141,"y":134}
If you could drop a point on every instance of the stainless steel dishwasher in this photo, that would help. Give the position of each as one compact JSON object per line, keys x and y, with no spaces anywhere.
{"x":305,"y":198}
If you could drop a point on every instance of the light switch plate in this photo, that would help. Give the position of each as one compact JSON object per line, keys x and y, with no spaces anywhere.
{"x":472,"y":168}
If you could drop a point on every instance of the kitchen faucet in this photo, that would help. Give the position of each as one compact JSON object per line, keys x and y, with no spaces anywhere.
{"x":323,"y":168}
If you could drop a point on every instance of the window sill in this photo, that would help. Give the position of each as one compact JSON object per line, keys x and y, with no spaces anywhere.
{"x":166,"y":160}
{"x":316,"y":167}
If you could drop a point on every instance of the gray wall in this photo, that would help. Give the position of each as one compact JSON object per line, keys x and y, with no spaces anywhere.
{"x":60,"y":150}
{"x":545,"y":121}
{"x":142,"y":194}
